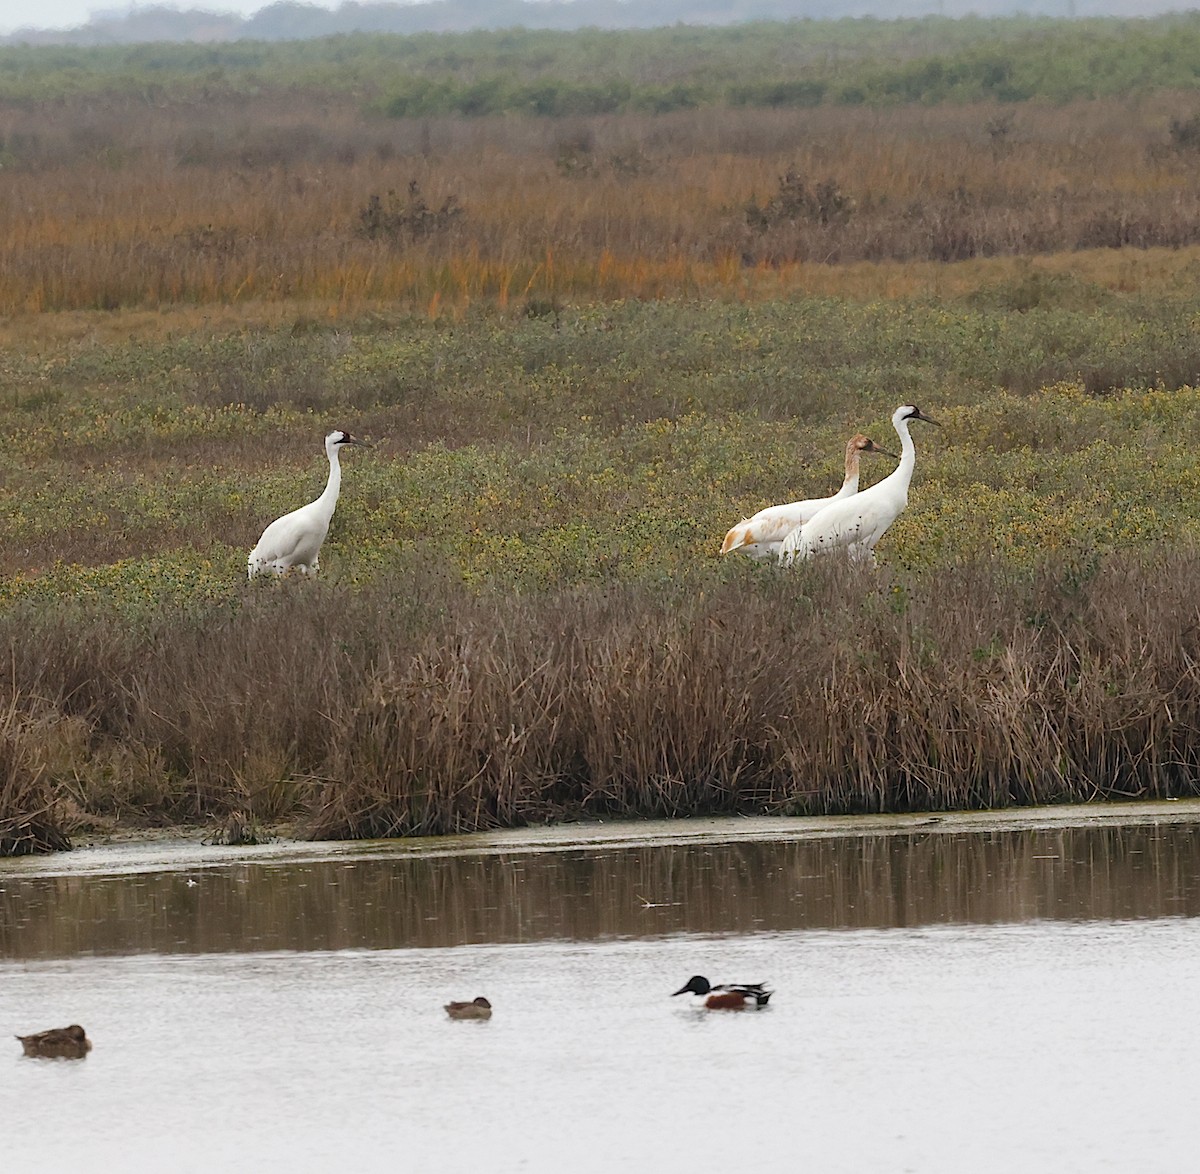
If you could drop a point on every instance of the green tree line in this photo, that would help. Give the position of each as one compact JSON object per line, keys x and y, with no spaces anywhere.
{"x":593,"y":71}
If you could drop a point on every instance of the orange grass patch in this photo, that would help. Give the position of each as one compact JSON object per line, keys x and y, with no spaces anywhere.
{"x":595,"y":209}
{"x":1127,"y":271}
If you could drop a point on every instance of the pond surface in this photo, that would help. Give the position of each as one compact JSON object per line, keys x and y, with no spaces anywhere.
{"x":951,"y":996}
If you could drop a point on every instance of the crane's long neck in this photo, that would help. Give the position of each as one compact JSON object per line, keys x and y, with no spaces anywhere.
{"x":850,"y":484}
{"x":333,"y":486}
{"x":902,"y":474}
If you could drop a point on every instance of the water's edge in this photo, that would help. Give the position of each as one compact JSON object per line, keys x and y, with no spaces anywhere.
{"x":178,"y":849}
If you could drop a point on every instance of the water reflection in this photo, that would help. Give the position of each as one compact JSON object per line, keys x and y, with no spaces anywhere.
{"x":406,"y":901}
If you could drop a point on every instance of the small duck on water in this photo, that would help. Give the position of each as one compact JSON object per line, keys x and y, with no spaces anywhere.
{"x":725,"y":997}
{"x":59,"y":1043}
{"x":478,"y":1008}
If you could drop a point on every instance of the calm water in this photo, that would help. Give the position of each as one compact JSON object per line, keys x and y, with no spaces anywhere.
{"x":946,"y":1001}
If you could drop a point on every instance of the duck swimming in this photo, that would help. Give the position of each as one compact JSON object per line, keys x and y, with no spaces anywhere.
{"x":59,"y":1043}
{"x":478,"y":1008}
{"x":726,"y":997}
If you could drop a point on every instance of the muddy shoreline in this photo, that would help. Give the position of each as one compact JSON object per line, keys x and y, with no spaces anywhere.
{"x":183,"y":848}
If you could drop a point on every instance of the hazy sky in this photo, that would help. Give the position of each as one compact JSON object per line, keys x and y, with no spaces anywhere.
{"x":65,"y":14}
{"x":68,"y":14}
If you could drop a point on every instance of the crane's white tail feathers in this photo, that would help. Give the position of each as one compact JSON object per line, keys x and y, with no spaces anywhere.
{"x":759,"y":537}
{"x":740,"y":535}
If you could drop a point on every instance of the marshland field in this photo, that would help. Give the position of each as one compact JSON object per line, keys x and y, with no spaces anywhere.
{"x":594,"y":297}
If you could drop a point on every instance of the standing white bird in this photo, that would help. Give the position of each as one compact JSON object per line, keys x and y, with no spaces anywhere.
{"x":760,"y":536}
{"x":856,"y":523}
{"x":295,"y":539}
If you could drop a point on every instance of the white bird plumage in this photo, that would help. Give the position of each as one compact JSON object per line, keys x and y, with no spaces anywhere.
{"x":294,"y":541}
{"x":760,"y":536}
{"x":855,"y":524}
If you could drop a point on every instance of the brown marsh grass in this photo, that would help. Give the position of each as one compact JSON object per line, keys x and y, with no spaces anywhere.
{"x":136,"y":205}
{"x":1126,"y":271}
{"x":423,"y":708}
{"x":31,"y":818}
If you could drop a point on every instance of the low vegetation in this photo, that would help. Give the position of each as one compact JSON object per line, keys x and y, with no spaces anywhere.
{"x":800,"y":63}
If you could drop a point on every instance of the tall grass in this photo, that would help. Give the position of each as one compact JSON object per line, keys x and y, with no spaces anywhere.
{"x":113,"y":205}
{"x":31,"y":815}
{"x":421,"y":707}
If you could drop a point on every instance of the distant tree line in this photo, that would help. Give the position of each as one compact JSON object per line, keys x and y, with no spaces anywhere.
{"x":552,"y":73}
{"x":288,"y":20}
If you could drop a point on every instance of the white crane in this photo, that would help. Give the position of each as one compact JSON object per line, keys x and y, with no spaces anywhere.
{"x":856,"y":523}
{"x":295,"y":539}
{"x":760,"y":536}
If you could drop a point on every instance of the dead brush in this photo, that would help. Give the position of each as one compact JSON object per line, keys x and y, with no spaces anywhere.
{"x":797,"y":201}
{"x":823,"y":696}
{"x":238,"y":829}
{"x":438,"y":708}
{"x":408,"y":219}
{"x":31,"y":818}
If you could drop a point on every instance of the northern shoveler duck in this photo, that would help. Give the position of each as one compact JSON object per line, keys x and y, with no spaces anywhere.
{"x":478,"y":1008}
{"x":734,"y":996}
{"x":59,"y":1043}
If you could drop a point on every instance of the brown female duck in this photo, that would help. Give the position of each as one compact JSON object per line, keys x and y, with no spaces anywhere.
{"x":59,"y":1043}
{"x":478,"y":1008}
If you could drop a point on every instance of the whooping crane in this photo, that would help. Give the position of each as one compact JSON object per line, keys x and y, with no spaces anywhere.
{"x":295,"y":539}
{"x":761,"y":535}
{"x":856,"y":523}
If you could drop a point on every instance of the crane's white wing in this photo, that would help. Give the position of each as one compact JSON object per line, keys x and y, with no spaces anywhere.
{"x":290,"y":541}
{"x":841,"y":525}
{"x":760,"y":536}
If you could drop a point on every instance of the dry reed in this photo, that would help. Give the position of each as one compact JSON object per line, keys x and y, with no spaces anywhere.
{"x":31,"y":818}
{"x":424,"y":708}
{"x":124,"y":205}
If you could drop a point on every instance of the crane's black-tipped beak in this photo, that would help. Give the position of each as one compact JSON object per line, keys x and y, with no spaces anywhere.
{"x":920,"y":415}
{"x":883,"y":452}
